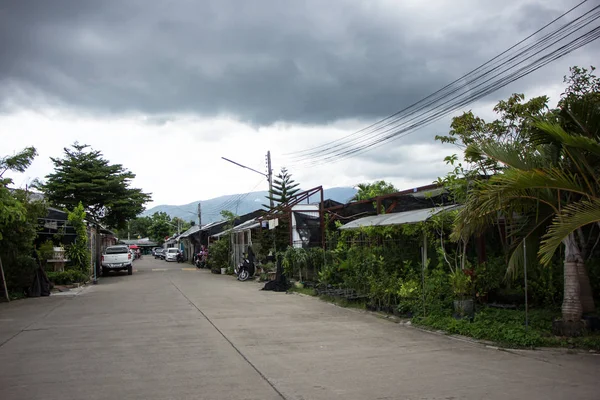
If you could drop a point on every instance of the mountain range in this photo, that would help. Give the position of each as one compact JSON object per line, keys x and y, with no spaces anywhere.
{"x":239,"y":204}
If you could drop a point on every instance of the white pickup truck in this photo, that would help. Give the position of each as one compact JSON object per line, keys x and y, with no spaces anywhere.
{"x":117,"y":258}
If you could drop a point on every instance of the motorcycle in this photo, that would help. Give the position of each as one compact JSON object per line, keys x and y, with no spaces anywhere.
{"x":200,"y":259}
{"x":246,"y":269}
{"x":180,"y":257}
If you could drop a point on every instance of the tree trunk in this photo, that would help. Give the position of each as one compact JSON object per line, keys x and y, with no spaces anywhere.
{"x":587,"y":297}
{"x":571,"y":307}
{"x":586,"y":293}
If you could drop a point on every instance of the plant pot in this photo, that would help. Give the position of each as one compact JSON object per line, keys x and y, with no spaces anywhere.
{"x":223,"y":271}
{"x":463,"y":308}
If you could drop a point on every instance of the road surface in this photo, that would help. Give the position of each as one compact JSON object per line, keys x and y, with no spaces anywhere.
{"x":173,"y":332}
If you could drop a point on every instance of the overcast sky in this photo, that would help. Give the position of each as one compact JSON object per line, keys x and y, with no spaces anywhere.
{"x":167,"y":88}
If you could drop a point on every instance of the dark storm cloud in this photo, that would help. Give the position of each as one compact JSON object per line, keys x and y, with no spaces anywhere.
{"x":260,"y":61}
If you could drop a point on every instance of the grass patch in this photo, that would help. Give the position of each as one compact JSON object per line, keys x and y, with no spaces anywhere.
{"x":306,"y":291}
{"x":16,"y":295}
{"x":339,"y":301}
{"x":507,"y":327}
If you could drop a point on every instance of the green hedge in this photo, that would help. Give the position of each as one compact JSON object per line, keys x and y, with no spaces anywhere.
{"x":507,"y":327}
{"x":67,"y":277}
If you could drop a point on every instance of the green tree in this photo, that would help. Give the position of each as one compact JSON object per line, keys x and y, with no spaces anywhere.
{"x":136,"y":227}
{"x":367,"y":191}
{"x":552,"y":187}
{"x":18,"y":224}
{"x":160,"y":227}
{"x":83,"y":175}
{"x":11,"y":209}
{"x":79,"y":252}
{"x":284,"y":188}
{"x":179,"y":224}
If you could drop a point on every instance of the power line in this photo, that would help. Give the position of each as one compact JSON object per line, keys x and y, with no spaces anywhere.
{"x":375,"y":124}
{"x":235,"y":200}
{"x":545,"y":39}
{"x":399,"y":131}
{"x":397,"y":125}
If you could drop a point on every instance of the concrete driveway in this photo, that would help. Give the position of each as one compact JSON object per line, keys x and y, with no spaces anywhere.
{"x":173,"y":332}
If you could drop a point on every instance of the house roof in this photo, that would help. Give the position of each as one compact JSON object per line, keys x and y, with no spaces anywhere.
{"x":245,"y":226}
{"x":406,"y":217}
{"x":218,"y":227}
{"x":190,"y":231}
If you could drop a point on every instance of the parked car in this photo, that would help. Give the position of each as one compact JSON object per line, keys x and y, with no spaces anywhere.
{"x":117,"y":258}
{"x":171,"y":254}
{"x":158,"y":252}
{"x":156,"y":249}
{"x":163,"y":254}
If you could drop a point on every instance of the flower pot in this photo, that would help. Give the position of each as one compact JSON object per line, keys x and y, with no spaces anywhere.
{"x":223,"y":271}
{"x":463,"y":308}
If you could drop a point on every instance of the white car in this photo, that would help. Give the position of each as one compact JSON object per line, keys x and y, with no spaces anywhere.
{"x":117,"y":258}
{"x":171,"y":254}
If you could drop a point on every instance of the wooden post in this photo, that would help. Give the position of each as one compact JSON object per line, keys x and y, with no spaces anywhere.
{"x":3,"y":287}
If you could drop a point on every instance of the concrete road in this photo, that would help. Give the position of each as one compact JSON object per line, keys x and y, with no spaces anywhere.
{"x":172,"y":332}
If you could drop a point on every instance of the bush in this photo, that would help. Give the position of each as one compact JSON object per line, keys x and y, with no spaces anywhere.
{"x":67,"y":277}
{"x":19,"y":273}
{"x":506,"y":327}
{"x":218,"y":255}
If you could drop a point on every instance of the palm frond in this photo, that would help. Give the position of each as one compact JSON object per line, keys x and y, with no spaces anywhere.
{"x":559,"y":135}
{"x":541,"y":178}
{"x":571,"y":217}
{"x":513,"y":155}
{"x":529,"y":234}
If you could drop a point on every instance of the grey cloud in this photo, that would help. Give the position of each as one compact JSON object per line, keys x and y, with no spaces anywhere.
{"x":261,"y":61}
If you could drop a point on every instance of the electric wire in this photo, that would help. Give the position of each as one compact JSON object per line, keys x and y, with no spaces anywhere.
{"x":508,"y":69}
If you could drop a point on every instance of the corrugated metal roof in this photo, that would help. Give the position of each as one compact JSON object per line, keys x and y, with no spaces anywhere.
{"x":240,"y":228}
{"x":406,"y":217}
{"x":190,"y":231}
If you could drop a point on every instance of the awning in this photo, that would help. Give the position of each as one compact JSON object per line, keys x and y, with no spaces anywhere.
{"x":406,"y":217}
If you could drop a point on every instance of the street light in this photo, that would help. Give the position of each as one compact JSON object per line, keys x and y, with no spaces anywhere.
{"x":268,"y":175}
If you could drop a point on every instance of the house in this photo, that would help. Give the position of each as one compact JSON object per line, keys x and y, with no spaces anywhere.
{"x":190,"y":242}
{"x":55,"y":227}
{"x":411,"y":199}
{"x":241,"y":238}
{"x":304,"y":216}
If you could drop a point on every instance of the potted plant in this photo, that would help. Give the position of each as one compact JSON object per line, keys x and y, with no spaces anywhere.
{"x":461,"y":287}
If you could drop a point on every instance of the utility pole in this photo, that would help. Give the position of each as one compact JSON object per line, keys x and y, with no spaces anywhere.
{"x":268,"y":175}
{"x":199,"y":214}
{"x":270,"y":178}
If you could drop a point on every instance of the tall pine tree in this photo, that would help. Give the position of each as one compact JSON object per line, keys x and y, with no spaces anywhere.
{"x":284,"y":188}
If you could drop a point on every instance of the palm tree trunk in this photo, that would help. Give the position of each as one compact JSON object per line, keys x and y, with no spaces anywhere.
{"x":587,"y":297}
{"x":571,"y":307}
{"x":586,"y":293}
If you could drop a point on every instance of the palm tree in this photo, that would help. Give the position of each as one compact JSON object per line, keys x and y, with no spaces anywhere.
{"x":549,"y":189}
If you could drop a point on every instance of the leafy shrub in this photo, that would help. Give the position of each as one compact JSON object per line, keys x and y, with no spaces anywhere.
{"x":502,"y":326}
{"x":45,"y":251}
{"x":78,"y":252}
{"x":19,"y":273}
{"x":218,"y":255}
{"x":67,"y":277}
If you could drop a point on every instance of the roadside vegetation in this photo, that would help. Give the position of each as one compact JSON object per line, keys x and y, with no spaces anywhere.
{"x":527,"y":185}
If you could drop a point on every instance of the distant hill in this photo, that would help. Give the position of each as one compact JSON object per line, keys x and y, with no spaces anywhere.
{"x":240,"y":204}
